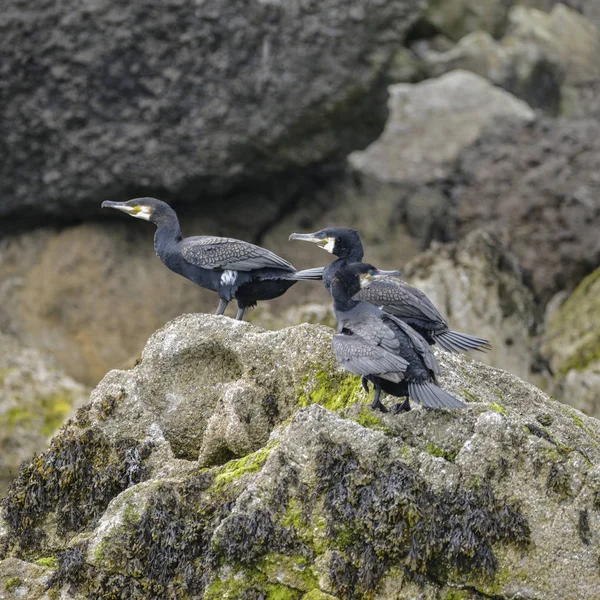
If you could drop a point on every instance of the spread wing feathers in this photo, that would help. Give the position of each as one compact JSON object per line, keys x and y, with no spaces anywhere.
{"x":373,"y":331}
{"x":400,"y":299}
{"x":430,"y":395}
{"x":454,"y":341}
{"x":361,"y":358}
{"x":229,"y":254}
{"x":419,"y":344}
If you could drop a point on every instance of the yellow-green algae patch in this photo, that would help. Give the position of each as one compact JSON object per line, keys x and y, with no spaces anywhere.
{"x":50,"y":410}
{"x":332,"y":390}
{"x":234,"y":469}
{"x":47,"y":561}
{"x":291,"y":571}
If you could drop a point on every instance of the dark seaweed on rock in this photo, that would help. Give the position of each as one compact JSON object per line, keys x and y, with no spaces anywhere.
{"x":75,"y":479}
{"x":392,"y":516}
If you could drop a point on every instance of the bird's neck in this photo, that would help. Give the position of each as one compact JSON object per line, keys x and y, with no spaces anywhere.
{"x":353,"y":255}
{"x":342,"y":299}
{"x":167,"y":236}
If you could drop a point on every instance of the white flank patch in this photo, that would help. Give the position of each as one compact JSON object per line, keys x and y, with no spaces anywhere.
{"x":228,"y":277}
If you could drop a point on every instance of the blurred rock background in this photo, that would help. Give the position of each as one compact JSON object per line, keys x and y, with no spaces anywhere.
{"x":460,"y":137}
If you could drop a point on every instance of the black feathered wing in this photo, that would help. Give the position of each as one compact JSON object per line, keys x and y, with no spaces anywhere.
{"x":372,"y":330}
{"x":220,"y":253}
{"x":361,"y":358}
{"x":418,"y":342}
{"x":396,"y":296}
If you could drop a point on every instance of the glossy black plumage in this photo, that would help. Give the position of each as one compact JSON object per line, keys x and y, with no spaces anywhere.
{"x":382,"y":348}
{"x":391,"y":293}
{"x":235,"y":269}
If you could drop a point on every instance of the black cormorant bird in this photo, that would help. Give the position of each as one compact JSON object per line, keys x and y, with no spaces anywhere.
{"x":382,"y":348}
{"x":232,"y":268}
{"x":391,"y":293}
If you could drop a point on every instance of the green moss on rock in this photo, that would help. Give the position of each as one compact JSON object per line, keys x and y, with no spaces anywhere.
{"x":234,"y":469}
{"x":12,"y":583}
{"x":334,"y":392}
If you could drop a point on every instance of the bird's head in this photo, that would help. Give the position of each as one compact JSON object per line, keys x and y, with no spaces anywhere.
{"x":149,"y":209}
{"x":354,"y":276}
{"x":339,"y":241}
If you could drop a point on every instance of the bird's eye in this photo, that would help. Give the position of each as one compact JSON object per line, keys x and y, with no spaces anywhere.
{"x":135,"y":204}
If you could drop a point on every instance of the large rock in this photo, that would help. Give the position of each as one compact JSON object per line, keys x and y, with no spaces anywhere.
{"x":540,"y":184}
{"x":543,"y":58}
{"x":457,"y":18}
{"x":478,"y":286}
{"x":431,"y":122}
{"x":192,"y":98}
{"x":335,"y":501}
{"x":35,"y":400}
{"x":571,"y":344}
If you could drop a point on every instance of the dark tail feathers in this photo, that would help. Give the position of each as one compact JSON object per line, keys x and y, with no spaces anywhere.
{"x":315,"y":274}
{"x":453,"y":341}
{"x":431,"y":396}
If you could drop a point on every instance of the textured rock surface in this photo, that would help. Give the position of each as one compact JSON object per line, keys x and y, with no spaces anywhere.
{"x":572,"y":345}
{"x":541,"y":185}
{"x":457,"y":18}
{"x":478,"y":286}
{"x":542,"y":58}
{"x":431,"y":122}
{"x":101,"y":100}
{"x":35,"y":400}
{"x":335,"y":501}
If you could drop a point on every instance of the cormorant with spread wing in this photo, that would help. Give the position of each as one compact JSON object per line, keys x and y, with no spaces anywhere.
{"x":232,"y":268}
{"x":382,"y":348}
{"x":391,"y":293}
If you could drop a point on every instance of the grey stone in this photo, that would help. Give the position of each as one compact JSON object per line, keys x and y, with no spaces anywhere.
{"x":478,"y":286}
{"x":190,"y":98}
{"x":539,"y":185}
{"x":336,"y":501}
{"x":543,"y":58}
{"x":431,"y":122}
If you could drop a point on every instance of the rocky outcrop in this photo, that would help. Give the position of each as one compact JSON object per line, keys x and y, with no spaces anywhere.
{"x":478,"y":286}
{"x":543,"y":58}
{"x":191,"y":99}
{"x":571,"y":344}
{"x":457,"y":18}
{"x":299,"y":490}
{"x":431,"y":122}
{"x":541,"y":185}
{"x":35,"y":400}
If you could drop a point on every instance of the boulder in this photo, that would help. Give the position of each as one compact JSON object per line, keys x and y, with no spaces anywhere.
{"x":571,"y":344}
{"x":457,"y":18}
{"x":431,"y":122}
{"x":306,"y":493}
{"x":478,"y":286}
{"x":540,"y":185}
{"x":543,"y":58}
{"x":35,"y":399}
{"x":190,"y":98}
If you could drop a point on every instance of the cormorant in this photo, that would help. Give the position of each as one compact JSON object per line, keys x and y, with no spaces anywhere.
{"x":382,"y":348}
{"x":392,"y":294}
{"x":232,"y":268}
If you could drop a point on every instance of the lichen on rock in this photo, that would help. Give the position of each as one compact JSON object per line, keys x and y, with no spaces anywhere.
{"x":329,"y":501}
